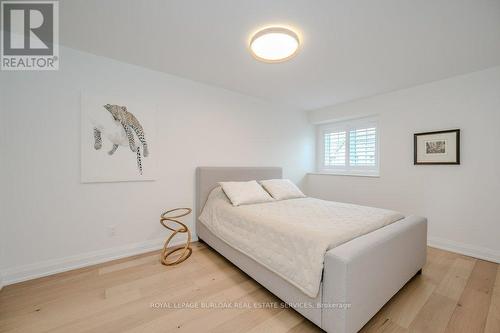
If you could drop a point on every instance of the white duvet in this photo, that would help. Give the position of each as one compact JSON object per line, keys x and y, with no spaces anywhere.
{"x":290,"y":237}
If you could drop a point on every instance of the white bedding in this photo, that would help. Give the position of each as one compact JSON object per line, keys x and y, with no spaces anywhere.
{"x":290,"y":237}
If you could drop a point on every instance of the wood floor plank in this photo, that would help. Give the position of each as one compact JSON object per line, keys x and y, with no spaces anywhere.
{"x":382,"y":324}
{"x":62,"y":287}
{"x":152,"y":259}
{"x":305,"y":326}
{"x":246,"y":320}
{"x":137,"y":312}
{"x":76,"y":306}
{"x":493,"y":320}
{"x":456,"y":293}
{"x":406,"y":304}
{"x":215,"y":317}
{"x":472,"y":309}
{"x":438,"y":264}
{"x":71,"y":309}
{"x":182,"y":320}
{"x":437,"y":311}
{"x":283,"y":321}
{"x":455,"y":280}
{"x":434,"y":315}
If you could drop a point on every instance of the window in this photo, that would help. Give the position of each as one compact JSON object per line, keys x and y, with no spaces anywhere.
{"x":349,"y":147}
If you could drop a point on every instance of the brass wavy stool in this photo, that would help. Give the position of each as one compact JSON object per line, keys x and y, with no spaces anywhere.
{"x":186,"y":249}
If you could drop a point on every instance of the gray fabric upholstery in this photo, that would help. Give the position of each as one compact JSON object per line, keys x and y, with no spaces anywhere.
{"x":365,"y":272}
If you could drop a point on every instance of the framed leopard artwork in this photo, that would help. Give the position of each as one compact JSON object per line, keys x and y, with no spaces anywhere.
{"x":116,"y":138}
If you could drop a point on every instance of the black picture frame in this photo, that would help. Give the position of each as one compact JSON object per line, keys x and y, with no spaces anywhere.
{"x":416,"y":135}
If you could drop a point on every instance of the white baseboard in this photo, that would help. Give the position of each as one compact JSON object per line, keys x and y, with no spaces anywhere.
{"x":466,"y":249}
{"x":49,"y":267}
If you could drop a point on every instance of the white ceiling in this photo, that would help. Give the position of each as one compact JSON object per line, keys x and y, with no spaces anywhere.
{"x":351,"y":49}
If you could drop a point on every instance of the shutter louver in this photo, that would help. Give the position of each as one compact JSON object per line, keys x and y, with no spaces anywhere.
{"x":335,"y":145}
{"x":362,"y":147}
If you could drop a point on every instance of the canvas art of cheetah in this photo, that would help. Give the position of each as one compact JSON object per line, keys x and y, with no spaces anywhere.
{"x":129,"y":128}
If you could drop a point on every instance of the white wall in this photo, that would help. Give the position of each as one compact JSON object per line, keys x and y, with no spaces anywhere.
{"x":54,"y":221}
{"x":461,"y":202}
{"x":3,"y":178}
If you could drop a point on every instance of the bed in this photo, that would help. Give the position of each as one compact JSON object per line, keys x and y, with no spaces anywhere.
{"x":358,"y":276}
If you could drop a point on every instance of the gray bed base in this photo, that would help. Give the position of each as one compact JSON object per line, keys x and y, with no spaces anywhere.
{"x":359,"y":276}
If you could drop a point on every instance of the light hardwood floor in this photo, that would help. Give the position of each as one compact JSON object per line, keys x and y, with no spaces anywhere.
{"x":455,"y":293}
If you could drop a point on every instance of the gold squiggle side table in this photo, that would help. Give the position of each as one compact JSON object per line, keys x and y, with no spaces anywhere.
{"x":186,"y":249}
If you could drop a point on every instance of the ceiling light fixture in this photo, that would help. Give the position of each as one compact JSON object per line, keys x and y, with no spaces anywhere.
{"x":274,"y":44}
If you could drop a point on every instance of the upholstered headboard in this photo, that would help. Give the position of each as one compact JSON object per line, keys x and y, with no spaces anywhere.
{"x":208,"y":177}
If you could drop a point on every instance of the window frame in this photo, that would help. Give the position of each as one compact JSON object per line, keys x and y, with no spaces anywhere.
{"x":347,"y":126}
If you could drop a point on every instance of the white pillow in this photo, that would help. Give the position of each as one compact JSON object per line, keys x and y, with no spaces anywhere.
{"x":243,"y":193}
{"x":281,"y":189}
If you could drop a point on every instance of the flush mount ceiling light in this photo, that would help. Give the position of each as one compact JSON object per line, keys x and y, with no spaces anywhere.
{"x":274,"y":44}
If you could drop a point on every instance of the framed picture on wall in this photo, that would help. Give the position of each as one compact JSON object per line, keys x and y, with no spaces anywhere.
{"x":440,"y":147}
{"x":118,"y":138}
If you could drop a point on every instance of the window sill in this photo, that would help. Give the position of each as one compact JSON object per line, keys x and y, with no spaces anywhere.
{"x":375,"y":175}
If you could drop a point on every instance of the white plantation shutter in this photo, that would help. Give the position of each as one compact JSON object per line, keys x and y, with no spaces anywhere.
{"x":362,"y":146}
{"x":335,"y":148}
{"x":349,"y":147}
